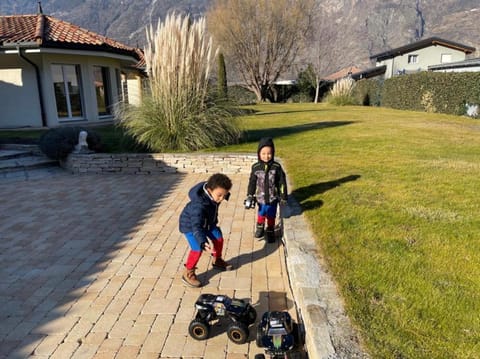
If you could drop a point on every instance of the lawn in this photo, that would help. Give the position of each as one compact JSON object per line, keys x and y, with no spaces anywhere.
{"x":392,"y":198}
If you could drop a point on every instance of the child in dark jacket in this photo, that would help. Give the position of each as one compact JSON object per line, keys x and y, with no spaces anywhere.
{"x":199,"y":223}
{"x":268,"y":186}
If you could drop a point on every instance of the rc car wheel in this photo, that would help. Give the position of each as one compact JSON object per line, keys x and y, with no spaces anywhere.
{"x":259,"y":356}
{"x":237,"y":333}
{"x":199,"y":330}
{"x":259,"y":337}
{"x":297,"y":335}
{"x":251,"y":315}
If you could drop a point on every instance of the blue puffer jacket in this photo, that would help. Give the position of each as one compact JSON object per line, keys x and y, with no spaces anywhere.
{"x":200,"y":214}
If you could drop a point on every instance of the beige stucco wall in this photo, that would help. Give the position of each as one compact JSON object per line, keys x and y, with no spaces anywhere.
{"x":18,"y":94}
{"x":431,"y":55}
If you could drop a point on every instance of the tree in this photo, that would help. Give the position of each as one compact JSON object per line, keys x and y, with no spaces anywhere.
{"x":261,"y":38}
{"x":222,"y":89}
{"x":325,"y":53}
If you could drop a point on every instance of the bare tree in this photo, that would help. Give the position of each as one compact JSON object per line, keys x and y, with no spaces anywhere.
{"x":261,"y":38}
{"x":324,"y":53}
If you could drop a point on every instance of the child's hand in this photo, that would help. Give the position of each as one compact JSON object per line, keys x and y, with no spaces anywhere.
{"x":209,"y":247}
{"x":249,"y":202}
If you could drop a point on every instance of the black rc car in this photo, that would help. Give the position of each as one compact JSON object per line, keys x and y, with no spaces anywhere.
{"x":278,"y":334}
{"x":237,"y":312}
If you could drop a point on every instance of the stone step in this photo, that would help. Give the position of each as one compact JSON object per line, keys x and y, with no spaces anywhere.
{"x":9,"y":154}
{"x":23,"y":163}
{"x":33,"y":149}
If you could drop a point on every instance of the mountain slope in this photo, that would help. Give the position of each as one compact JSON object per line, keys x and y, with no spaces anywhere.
{"x":365,"y":27}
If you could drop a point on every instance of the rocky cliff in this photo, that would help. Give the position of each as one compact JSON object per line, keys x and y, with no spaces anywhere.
{"x":364,"y":27}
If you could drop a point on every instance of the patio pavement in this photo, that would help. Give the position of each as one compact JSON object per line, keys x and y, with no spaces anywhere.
{"x":90,"y":267}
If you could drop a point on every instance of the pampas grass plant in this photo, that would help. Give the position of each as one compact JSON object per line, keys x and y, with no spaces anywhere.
{"x":341,"y":93}
{"x":178,"y":113}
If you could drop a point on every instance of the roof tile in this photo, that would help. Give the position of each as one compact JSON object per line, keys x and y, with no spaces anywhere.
{"x":48,"y":31}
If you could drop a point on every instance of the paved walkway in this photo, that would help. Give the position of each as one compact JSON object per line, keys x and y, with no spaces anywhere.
{"x":90,"y":267}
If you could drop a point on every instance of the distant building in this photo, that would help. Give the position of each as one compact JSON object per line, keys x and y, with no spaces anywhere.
{"x":421,"y":55}
{"x":470,"y":65}
{"x":356,"y":73}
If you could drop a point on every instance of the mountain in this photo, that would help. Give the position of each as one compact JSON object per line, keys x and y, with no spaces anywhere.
{"x":365,"y":27}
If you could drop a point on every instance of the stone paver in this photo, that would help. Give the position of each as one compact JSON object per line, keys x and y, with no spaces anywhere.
{"x":90,"y":267}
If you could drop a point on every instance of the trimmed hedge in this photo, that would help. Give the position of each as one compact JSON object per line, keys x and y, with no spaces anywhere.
{"x":367,"y":92}
{"x":442,"y":92}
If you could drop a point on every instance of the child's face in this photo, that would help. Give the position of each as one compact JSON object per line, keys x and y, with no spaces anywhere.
{"x":218,"y":194}
{"x":265,"y":154}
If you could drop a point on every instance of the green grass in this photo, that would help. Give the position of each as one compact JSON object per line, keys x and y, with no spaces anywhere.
{"x":392,"y":197}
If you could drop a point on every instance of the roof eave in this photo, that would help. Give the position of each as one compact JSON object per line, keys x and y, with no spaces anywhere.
{"x":22,"y":45}
{"x":434,"y":41}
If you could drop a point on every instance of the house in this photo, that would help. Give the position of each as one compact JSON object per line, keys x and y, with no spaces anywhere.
{"x":345,"y":72}
{"x":419,"y":55}
{"x":54,"y":73}
{"x":356,"y":73}
{"x":469,"y":65}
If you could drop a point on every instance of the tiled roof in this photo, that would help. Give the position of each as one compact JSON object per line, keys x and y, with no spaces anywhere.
{"x":342,"y":73}
{"x":46,"y":31}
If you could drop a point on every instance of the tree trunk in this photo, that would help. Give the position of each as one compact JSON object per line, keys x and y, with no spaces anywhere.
{"x":317,"y":90}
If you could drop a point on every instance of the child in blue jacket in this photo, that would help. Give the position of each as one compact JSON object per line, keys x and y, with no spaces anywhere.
{"x":199,"y":223}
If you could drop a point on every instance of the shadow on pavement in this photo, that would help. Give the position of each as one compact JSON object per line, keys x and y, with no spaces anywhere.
{"x":56,"y":235}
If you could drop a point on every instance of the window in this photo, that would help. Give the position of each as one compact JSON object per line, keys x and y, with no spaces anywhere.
{"x":118,"y":81}
{"x":446,"y":58}
{"x":412,"y":59}
{"x":102,"y":90}
{"x":66,"y":84}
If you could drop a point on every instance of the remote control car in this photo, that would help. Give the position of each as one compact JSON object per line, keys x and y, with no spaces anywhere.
{"x":210,"y":307}
{"x":278,"y":334}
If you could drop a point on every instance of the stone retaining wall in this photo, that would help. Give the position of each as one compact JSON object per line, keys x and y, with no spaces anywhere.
{"x":156,"y":163}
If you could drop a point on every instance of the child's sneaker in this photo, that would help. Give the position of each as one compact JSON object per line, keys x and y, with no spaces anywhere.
{"x":270,"y":234}
{"x":190,"y":278}
{"x":219,"y":263}
{"x":259,"y":232}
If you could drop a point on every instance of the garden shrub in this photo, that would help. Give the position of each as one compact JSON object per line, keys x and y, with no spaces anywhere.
{"x":241,"y":96}
{"x":341,"y":93}
{"x":58,"y":143}
{"x":180,"y":113}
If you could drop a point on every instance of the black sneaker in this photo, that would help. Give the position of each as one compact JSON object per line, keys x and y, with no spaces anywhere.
{"x":270,"y":235}
{"x":259,"y":232}
{"x":219,"y":263}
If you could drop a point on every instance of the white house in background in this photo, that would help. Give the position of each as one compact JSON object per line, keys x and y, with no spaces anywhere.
{"x":470,"y":65}
{"x":419,"y":55}
{"x":53,"y":73}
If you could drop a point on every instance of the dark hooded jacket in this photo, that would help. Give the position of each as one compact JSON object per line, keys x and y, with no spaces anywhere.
{"x":267,"y":179}
{"x":200,"y":214}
